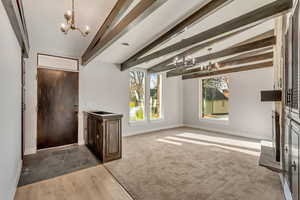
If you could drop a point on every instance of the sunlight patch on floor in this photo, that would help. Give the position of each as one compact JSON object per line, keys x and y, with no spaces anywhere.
{"x":250,"y":152}
{"x":169,"y":142}
{"x":223,"y":140}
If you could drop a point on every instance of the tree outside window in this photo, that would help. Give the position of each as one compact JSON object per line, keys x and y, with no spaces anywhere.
{"x":155,"y":96}
{"x":137,"y":95}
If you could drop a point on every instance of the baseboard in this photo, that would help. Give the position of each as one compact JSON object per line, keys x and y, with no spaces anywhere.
{"x":30,"y":151}
{"x":238,"y":134}
{"x":15,"y":182}
{"x":286,"y":191}
{"x":153,"y":130}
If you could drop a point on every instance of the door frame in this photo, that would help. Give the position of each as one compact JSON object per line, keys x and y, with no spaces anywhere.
{"x":57,"y":69}
{"x":60,"y":69}
{"x":23,"y":105}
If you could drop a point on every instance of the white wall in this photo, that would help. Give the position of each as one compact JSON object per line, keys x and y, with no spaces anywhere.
{"x":102,"y":86}
{"x":248,"y":116}
{"x":10,"y":109}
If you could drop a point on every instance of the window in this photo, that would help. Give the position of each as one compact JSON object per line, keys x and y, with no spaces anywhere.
{"x":215,"y":95}
{"x":155,"y":96}
{"x":137,"y":96}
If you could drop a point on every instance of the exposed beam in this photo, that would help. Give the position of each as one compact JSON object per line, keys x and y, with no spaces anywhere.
{"x":15,"y":13}
{"x":252,"y":53}
{"x":231,"y":51}
{"x":259,"y":15}
{"x":248,"y":54}
{"x":120,"y":7}
{"x":164,"y":65}
{"x":195,"y":17}
{"x":264,"y":35}
{"x":230,"y":70}
{"x":137,"y":14}
{"x":229,"y":62}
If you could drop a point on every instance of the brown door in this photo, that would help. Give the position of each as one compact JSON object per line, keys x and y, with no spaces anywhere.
{"x":57,"y":122}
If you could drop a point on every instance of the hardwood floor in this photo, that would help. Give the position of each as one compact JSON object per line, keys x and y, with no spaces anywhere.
{"x":89,"y":184}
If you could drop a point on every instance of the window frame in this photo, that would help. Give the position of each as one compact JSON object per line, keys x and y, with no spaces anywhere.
{"x":145,"y":99}
{"x":161,"y":95}
{"x":200,"y":102}
{"x":147,"y":110}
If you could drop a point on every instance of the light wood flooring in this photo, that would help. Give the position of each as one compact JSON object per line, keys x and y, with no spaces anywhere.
{"x":88,"y":184}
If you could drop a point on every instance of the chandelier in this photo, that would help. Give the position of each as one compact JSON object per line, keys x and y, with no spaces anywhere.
{"x":189,"y":61}
{"x":70,"y":23}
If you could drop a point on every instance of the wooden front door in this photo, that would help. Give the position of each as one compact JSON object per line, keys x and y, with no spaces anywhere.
{"x":57,"y":122}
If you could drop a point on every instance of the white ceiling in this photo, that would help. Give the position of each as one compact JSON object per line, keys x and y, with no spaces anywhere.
{"x":45,"y":16}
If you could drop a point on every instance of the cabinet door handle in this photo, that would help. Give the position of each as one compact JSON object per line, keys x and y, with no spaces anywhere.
{"x":97,"y":136}
{"x":294,"y":166}
{"x":286,"y":149}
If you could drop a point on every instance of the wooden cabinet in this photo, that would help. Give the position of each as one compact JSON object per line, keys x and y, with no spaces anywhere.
{"x":291,"y":108}
{"x":104,"y":135}
{"x":286,"y":152}
{"x":294,"y":162}
{"x":291,"y":157}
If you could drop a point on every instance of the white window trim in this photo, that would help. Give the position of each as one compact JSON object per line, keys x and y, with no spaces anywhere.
{"x":200,"y":114}
{"x":147,"y":113}
{"x":162,"y":100}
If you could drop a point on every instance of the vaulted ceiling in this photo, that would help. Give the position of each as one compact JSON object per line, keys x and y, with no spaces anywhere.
{"x":44,"y":19}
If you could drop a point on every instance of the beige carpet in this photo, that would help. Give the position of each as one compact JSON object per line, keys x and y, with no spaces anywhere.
{"x":188,"y":164}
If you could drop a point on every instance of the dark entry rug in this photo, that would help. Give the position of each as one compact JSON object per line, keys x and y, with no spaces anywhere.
{"x":188,"y":164}
{"x":55,"y":162}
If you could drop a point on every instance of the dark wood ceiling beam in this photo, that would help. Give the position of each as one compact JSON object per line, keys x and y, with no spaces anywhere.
{"x":252,"y":53}
{"x":15,"y":13}
{"x":137,"y":14}
{"x":230,"y":70}
{"x":229,"y":62}
{"x":230,"y":51}
{"x":120,"y":7}
{"x":203,"y":12}
{"x":259,"y":15}
{"x":164,"y":65}
{"x":264,"y":35}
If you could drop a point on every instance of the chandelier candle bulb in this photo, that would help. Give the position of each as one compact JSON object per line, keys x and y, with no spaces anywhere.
{"x":87,"y":30}
{"x":68,"y":15}
{"x":63,"y":27}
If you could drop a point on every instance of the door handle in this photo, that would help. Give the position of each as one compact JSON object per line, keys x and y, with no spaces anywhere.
{"x":76,"y":108}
